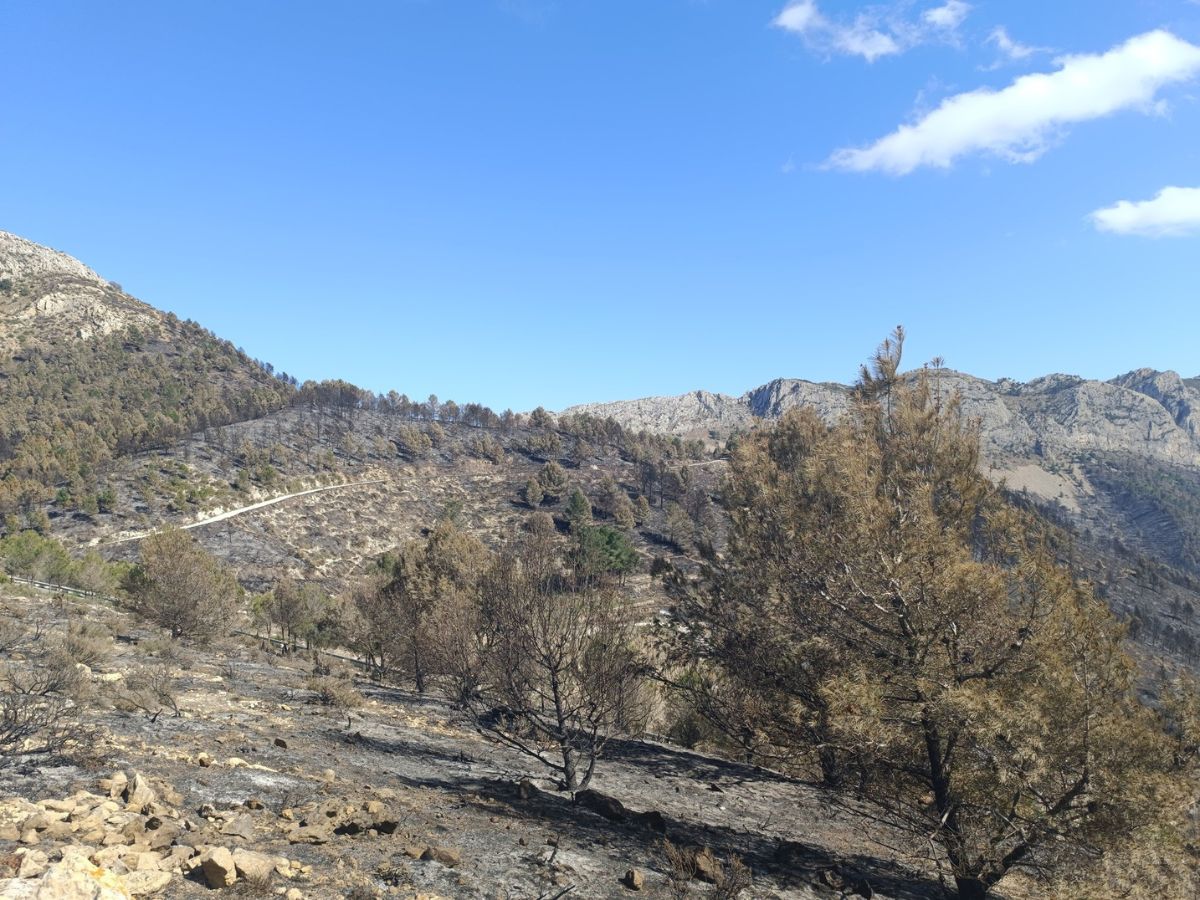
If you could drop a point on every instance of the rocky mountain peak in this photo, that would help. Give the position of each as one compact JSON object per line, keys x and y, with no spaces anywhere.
{"x":46,"y":296}
{"x":21,"y":260}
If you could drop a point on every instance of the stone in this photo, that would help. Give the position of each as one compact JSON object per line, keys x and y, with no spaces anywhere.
{"x":75,"y":878}
{"x":374,"y":807}
{"x":59,"y":831}
{"x":281,"y":743}
{"x":144,"y":883}
{"x":115,"y":785}
{"x":444,"y":855}
{"x":608,"y":807}
{"x":143,"y":861}
{"x":293,"y":894}
{"x":10,"y":833}
{"x":310,"y":834}
{"x":203,"y":760}
{"x":33,"y":864}
{"x":634,"y":880}
{"x":240,"y":826}
{"x":219,"y":868}
{"x":526,"y":790}
{"x":256,"y":867}
{"x":138,"y":794}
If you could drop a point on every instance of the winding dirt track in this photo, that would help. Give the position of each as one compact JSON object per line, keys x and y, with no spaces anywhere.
{"x":229,"y":514}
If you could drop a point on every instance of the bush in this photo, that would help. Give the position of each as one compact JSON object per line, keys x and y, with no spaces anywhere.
{"x":338,"y":693}
{"x":88,"y":643}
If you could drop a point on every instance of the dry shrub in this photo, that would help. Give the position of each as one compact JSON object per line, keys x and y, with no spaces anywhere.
{"x":338,"y":693}
{"x":161,"y":648}
{"x":39,"y":701}
{"x":732,"y":878}
{"x":681,"y":869}
{"x":151,"y":691}
{"x":88,"y":643}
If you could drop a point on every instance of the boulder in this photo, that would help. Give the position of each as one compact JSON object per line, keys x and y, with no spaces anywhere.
{"x":138,"y":794}
{"x":444,"y":855}
{"x":75,"y":878}
{"x":219,"y":868}
{"x":310,"y":834}
{"x":634,"y":880}
{"x":240,"y":826}
{"x":33,"y":863}
{"x":145,"y":883}
{"x":255,"y":867}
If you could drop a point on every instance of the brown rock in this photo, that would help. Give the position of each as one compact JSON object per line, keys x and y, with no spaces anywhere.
{"x":310,"y":834}
{"x":219,"y":868}
{"x":444,"y":855}
{"x":281,"y":743}
{"x":634,"y":880}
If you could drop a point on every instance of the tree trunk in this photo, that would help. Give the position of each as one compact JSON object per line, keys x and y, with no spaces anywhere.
{"x":970,"y":888}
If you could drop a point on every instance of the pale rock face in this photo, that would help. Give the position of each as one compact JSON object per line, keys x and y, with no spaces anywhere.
{"x":21,"y":259}
{"x":47,"y":295}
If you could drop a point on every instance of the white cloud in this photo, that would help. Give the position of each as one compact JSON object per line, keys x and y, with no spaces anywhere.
{"x":862,"y":38}
{"x":1019,"y":122}
{"x":947,"y":16}
{"x":1013,"y":50}
{"x":1174,"y":212}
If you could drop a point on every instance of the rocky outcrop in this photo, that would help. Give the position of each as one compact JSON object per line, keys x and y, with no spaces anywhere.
{"x":46,"y":295}
{"x":1058,"y":417}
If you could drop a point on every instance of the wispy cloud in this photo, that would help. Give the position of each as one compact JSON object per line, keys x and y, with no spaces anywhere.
{"x":1174,"y":212}
{"x":1019,"y":122}
{"x":948,"y":16}
{"x":874,"y":33}
{"x":860,"y":38}
{"x":1009,"y":48}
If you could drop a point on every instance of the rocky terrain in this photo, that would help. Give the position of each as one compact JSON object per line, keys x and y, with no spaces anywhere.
{"x":47,"y":296}
{"x":1048,"y":437}
{"x":242,"y":771}
{"x":237,"y":778}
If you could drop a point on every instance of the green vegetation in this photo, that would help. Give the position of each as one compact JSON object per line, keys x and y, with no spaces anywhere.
{"x":69,"y":409}
{"x":31,"y":555}
{"x":884,"y":617}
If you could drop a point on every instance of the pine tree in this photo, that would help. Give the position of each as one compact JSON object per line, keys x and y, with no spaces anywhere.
{"x":579,"y":510}
{"x":884,"y":612}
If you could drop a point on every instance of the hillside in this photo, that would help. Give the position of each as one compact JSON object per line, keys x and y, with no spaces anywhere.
{"x":90,"y":375}
{"x":117,"y":419}
{"x":1066,"y":440}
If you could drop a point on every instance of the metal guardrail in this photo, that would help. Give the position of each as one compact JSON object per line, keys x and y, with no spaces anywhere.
{"x":59,"y":588}
{"x":95,"y":595}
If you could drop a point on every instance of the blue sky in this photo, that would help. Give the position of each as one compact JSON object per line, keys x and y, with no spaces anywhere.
{"x":526,"y":202}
